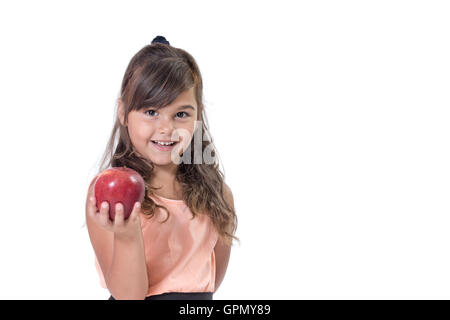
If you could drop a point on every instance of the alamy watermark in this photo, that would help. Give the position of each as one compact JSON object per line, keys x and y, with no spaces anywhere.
{"x":184,"y":147}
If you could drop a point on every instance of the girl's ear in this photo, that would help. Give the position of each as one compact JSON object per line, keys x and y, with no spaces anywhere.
{"x":121,"y":111}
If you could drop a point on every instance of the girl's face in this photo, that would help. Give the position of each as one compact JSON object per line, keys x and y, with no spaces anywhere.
{"x":171,"y":123}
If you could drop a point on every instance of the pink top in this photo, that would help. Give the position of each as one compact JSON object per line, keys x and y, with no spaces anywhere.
{"x":179,"y":252}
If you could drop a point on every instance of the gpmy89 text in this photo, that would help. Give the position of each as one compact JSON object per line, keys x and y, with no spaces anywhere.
{"x":246,"y":309}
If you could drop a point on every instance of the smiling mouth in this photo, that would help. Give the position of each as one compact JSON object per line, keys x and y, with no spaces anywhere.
{"x":160,"y":143}
{"x":164,"y":146}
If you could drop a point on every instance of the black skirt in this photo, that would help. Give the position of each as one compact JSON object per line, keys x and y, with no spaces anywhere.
{"x":179,"y":296}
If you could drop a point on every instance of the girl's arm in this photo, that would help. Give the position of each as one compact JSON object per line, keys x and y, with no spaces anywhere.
{"x":222,"y":250}
{"x":222,"y":253}
{"x":126,"y":277}
{"x":121,"y":257}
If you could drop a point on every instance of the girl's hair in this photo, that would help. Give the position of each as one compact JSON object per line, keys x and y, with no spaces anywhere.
{"x":155,"y":76}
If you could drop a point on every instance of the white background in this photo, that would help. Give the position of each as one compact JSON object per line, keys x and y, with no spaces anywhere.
{"x":331,"y":119}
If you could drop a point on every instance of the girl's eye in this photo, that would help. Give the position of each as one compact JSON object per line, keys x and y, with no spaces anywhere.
{"x":149,"y":112}
{"x":181,"y":112}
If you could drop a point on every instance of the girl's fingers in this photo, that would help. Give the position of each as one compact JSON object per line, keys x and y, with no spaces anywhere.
{"x":91,"y":209}
{"x":93,"y":203}
{"x":104,"y":207}
{"x":118,"y":218}
{"x":135,"y":212}
{"x":90,"y":206}
{"x":103,"y":215}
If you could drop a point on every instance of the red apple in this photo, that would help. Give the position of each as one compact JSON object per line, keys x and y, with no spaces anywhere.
{"x":119,"y":184}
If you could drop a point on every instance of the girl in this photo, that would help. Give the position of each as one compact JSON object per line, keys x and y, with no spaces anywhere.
{"x":176,"y":243}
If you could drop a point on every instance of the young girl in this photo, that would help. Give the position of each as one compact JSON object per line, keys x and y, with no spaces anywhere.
{"x":176,"y":243}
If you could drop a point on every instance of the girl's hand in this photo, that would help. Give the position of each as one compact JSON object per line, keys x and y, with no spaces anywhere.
{"x":125,"y":229}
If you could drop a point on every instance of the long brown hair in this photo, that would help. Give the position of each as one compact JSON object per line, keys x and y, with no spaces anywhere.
{"x":155,"y":76}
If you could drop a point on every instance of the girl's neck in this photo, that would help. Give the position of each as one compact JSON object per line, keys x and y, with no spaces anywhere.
{"x":164,"y":179}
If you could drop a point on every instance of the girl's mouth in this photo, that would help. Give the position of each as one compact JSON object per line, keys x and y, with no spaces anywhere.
{"x":164,"y":146}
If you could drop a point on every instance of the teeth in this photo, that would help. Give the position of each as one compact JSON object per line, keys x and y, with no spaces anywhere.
{"x":164,"y":143}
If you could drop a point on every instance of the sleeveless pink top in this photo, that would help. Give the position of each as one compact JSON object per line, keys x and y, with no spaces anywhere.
{"x":179,"y":252}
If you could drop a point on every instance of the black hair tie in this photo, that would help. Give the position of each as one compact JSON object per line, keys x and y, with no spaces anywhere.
{"x":160,"y":39}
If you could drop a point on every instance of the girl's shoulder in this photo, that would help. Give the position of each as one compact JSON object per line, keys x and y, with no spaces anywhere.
{"x":228,"y":195}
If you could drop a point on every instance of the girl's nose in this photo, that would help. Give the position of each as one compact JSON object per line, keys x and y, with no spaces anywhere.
{"x":164,"y":125}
